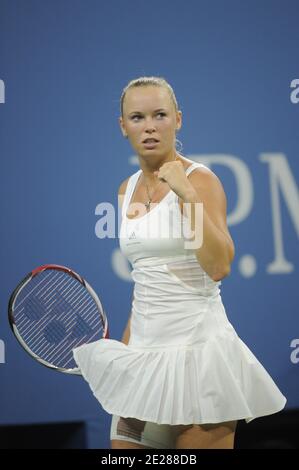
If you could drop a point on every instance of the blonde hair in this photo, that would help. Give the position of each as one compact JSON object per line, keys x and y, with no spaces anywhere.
{"x":148,"y":81}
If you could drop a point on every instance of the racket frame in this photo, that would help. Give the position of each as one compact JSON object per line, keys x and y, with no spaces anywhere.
{"x":23,"y":283}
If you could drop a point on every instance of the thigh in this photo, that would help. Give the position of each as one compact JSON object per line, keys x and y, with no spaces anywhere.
{"x":206,"y":436}
{"x":126,"y":433}
{"x":131,"y":433}
{"x":122,"y":444}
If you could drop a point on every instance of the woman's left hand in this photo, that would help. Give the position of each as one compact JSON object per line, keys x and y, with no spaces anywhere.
{"x":174,"y":175}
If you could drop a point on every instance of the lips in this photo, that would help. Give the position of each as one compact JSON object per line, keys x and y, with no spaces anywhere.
{"x":150,"y":140}
{"x":150,"y":143}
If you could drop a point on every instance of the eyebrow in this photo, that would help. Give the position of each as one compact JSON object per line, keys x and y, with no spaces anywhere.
{"x":139,"y":112}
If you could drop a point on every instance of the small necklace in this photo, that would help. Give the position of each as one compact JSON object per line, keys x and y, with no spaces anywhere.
{"x":150,"y":197}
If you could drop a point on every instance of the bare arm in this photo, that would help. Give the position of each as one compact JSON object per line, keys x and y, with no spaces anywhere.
{"x":217,"y":251}
{"x":203,"y":200}
{"x":126,"y":334}
{"x":121,"y":191}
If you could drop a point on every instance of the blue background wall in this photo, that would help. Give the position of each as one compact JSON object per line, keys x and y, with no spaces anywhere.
{"x":64,"y":64}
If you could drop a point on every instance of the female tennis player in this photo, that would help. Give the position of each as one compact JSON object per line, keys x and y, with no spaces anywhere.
{"x":181,"y":378}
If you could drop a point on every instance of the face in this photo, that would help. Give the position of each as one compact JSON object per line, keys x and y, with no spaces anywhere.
{"x":149,"y":113}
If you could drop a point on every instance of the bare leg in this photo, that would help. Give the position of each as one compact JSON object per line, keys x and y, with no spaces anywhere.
{"x":207,"y":436}
{"x":118,"y":444}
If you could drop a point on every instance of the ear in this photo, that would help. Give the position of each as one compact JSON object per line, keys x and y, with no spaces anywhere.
{"x":178,"y":120}
{"x":122,"y":127}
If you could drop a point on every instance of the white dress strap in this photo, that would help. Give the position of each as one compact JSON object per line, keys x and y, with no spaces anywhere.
{"x":133,"y":181}
{"x":192,"y":167}
{"x":129,"y":191}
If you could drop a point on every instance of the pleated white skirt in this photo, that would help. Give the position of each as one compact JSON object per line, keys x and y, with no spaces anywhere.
{"x":216,"y":381}
{"x":185,"y":363}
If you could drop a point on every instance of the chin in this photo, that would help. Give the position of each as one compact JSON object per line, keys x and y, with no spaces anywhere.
{"x":150,"y":153}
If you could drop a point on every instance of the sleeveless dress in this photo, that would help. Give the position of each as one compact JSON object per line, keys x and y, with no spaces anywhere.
{"x":184,"y":363}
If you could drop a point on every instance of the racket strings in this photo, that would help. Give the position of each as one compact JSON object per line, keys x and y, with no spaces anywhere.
{"x":55,"y":313}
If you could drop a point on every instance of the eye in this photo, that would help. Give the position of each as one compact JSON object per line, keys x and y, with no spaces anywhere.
{"x":135,"y":116}
{"x":161,"y":114}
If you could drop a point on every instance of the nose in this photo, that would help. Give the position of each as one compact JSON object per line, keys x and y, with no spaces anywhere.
{"x":149,"y":126}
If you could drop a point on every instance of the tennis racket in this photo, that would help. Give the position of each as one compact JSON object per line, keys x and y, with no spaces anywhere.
{"x":54,"y":310}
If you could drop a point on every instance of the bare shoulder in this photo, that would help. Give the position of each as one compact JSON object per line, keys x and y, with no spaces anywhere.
{"x":121,"y":191}
{"x":204,"y":178}
{"x":211,"y":192}
{"x":201,"y":175}
{"x":123,"y":186}
{"x":204,"y":175}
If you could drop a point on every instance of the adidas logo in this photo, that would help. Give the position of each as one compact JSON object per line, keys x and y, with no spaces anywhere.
{"x":132,"y":236}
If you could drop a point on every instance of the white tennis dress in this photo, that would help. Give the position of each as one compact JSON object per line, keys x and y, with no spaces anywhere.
{"x":184,"y":363}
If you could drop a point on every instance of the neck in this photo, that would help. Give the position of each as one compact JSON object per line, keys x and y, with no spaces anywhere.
{"x":153,"y":164}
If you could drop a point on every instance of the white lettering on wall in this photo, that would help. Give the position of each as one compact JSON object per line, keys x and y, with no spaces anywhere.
{"x":281,"y":178}
{"x":2,"y":92}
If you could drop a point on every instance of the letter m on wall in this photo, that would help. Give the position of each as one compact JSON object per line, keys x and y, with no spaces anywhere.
{"x":281,"y":178}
